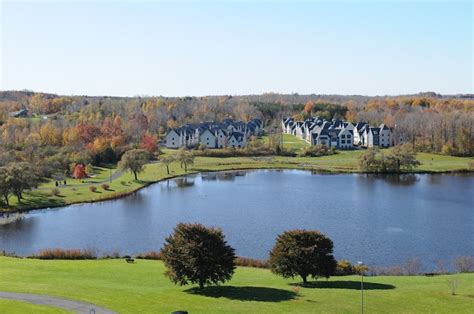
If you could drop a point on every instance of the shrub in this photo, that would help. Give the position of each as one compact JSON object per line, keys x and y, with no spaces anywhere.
{"x":344,"y":268}
{"x":197,"y":254}
{"x":251,"y":262}
{"x":303,"y":253}
{"x":55,"y":192}
{"x":447,"y":149}
{"x":65,"y":254}
{"x":123,"y":183}
{"x":92,"y":189}
{"x":360,"y":269}
{"x":105,"y":186}
{"x":150,"y":255}
{"x":464,"y":264}
{"x":318,"y":150}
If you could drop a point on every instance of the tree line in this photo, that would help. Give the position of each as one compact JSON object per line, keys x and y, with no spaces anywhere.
{"x":63,"y":130}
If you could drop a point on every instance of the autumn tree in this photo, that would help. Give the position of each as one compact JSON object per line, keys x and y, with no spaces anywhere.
{"x":50,"y":135}
{"x":302,"y":253}
{"x":134,"y":160}
{"x":149,"y":142}
{"x":197,"y":254}
{"x":79,"y":171}
{"x":308,"y":107}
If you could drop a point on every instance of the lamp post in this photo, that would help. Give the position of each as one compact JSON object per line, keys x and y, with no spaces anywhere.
{"x":360,"y":264}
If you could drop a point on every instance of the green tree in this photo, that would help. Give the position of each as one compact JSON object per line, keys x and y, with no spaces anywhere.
{"x":368,"y":160}
{"x":402,"y":157}
{"x":185,"y":158}
{"x":167,"y":160}
{"x":134,"y":160}
{"x":197,"y":254}
{"x":302,"y":253}
{"x":5,"y":188}
{"x":21,"y":176}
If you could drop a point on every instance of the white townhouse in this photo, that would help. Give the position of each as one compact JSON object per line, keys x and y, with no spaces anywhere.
{"x":346,"y":139}
{"x":338,"y":133}
{"x":221,"y":137}
{"x":208,"y":139}
{"x":385,"y":136}
{"x":237,"y":140}
{"x":174,"y":139}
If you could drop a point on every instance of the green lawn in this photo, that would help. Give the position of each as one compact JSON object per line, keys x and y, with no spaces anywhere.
{"x":293,"y":143}
{"x":343,"y":162}
{"x":142,"y":288}
{"x":8,"y":306}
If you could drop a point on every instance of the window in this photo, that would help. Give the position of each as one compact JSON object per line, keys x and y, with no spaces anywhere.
{"x":343,"y":136}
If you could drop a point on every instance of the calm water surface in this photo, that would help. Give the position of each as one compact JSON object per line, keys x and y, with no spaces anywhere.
{"x":381,"y":220}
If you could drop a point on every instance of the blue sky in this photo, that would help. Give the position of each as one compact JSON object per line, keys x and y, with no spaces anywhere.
{"x":213,"y":48}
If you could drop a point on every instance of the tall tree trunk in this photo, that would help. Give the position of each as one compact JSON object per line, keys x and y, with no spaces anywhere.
{"x":168,"y":169}
{"x":201,"y":283}
{"x":135,"y":174}
{"x":185,"y":167}
{"x":305,"y":278}
{"x":6,"y":200}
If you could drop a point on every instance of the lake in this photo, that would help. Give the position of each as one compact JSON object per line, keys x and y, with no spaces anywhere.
{"x":380,"y":220}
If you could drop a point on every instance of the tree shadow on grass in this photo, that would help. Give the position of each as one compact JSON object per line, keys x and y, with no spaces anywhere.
{"x":260,"y":294}
{"x":353,"y":285}
{"x":34,"y":199}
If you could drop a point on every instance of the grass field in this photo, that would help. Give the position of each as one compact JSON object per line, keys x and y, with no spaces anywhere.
{"x":7,"y":306}
{"x":294,"y":143}
{"x":345,"y":161}
{"x":142,"y":288}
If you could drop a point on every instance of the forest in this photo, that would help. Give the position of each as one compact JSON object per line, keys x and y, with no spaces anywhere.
{"x":55,"y":132}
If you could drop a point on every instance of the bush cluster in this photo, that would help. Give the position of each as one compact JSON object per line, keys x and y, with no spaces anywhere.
{"x":251,"y":262}
{"x":150,"y":255}
{"x":65,"y":254}
{"x":318,"y":151}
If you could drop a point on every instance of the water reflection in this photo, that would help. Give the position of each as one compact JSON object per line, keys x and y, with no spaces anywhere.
{"x":8,"y":218}
{"x":184,"y":182}
{"x":404,"y":179}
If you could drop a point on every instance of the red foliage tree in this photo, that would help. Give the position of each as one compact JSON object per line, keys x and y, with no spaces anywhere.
{"x":149,"y":143}
{"x":87,"y":132}
{"x":79,"y":171}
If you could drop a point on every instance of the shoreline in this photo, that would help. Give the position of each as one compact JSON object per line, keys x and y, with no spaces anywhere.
{"x":119,"y":195}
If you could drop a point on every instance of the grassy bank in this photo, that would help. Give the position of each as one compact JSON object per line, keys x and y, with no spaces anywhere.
{"x":142,"y":288}
{"x":78,"y":191}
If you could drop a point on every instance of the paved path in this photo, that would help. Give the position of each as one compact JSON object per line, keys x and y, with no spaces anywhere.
{"x":76,"y":306}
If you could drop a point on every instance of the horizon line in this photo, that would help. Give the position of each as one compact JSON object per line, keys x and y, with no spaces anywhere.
{"x":236,"y":95}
